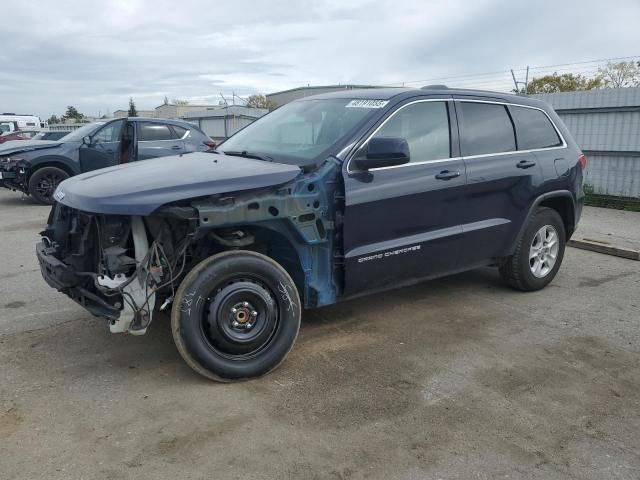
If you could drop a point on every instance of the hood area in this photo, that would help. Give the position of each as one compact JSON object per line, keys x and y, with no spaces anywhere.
{"x":139,"y":188}
{"x":18,"y":146}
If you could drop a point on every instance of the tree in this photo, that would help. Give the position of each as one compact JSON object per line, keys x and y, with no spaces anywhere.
{"x":177,"y":101}
{"x":566,"y":82}
{"x":53,"y":119}
{"x":260,"y":101}
{"x":166,"y":100}
{"x":73,"y":113}
{"x":132,"y":109}
{"x":621,"y":74}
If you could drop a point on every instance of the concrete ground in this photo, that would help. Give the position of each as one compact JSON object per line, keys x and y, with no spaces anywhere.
{"x":455,"y":379}
{"x":615,"y":227}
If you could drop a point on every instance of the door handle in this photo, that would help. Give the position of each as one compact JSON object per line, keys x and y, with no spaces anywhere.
{"x":109,"y":150}
{"x":447,"y":175}
{"x":176,"y":147}
{"x":526,"y":164}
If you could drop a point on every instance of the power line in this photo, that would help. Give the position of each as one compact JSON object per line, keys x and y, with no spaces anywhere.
{"x":539,"y":70}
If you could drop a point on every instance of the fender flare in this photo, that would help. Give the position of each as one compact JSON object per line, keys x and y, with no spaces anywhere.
{"x":64,"y":163}
{"x":536,"y":203}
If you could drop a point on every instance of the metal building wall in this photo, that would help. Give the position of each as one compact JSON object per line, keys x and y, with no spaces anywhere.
{"x":221,"y":123}
{"x":606,"y":125}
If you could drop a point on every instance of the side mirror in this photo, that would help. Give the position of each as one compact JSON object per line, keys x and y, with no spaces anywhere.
{"x":383,"y":152}
{"x":86,"y":140}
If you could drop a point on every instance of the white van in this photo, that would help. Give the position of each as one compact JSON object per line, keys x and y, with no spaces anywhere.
{"x":24,"y":122}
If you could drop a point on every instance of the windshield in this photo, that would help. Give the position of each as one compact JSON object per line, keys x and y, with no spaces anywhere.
{"x":77,"y":135}
{"x":302,"y":131}
{"x":4,"y":128}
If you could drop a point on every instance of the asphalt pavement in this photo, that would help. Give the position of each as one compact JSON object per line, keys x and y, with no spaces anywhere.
{"x":456,"y":378}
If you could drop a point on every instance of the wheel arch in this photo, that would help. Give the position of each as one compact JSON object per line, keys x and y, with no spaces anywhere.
{"x":278,"y":246}
{"x":561,"y":201}
{"x":57,"y":162}
{"x":565,"y":206}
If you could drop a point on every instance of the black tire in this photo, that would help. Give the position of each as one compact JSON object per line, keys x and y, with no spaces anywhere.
{"x":517,"y":270}
{"x":224,"y":345}
{"x":43,"y":183}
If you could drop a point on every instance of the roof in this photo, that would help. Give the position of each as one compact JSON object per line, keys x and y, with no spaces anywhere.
{"x":188,"y":105}
{"x":401,"y":93}
{"x":322,"y":87}
{"x":147,"y":119}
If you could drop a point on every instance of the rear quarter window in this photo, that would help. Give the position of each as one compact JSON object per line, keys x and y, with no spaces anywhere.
{"x":151,"y":132}
{"x":179,"y":131}
{"x":485,"y":128}
{"x":534,"y":129}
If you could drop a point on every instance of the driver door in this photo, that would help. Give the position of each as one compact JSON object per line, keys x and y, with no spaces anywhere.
{"x":402,"y":223}
{"x":103,"y":150}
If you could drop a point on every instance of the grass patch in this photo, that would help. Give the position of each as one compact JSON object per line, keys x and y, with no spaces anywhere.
{"x":609,"y":201}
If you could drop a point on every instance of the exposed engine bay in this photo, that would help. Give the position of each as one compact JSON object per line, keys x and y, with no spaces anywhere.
{"x":122,"y":267}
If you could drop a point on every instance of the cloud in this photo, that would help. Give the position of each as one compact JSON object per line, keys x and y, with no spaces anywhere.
{"x":97,"y":54}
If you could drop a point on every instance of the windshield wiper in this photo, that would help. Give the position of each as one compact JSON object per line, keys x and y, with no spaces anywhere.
{"x":245,"y":154}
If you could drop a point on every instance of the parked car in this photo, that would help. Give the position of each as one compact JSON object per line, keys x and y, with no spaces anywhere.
{"x":326,"y":198}
{"x":52,"y":135}
{"x":13,"y":135}
{"x":36,"y":167}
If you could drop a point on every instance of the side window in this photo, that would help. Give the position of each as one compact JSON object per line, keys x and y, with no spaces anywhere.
{"x":485,"y":128}
{"x":152,"y":132}
{"x":179,"y":131}
{"x":109,"y":133}
{"x":533,"y":129}
{"x":425,"y":127}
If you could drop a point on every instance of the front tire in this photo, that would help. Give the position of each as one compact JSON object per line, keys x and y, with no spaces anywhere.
{"x":43,"y":183}
{"x":538,"y":254}
{"x":235,"y":316}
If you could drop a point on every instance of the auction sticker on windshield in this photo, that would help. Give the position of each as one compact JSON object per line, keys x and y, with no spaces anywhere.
{"x":366,"y":103}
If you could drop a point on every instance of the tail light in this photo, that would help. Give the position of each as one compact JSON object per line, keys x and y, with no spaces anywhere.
{"x":582,"y":161}
{"x":210,"y":143}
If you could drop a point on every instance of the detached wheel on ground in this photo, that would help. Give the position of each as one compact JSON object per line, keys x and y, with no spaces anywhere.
{"x":235,"y":316}
{"x":538,"y":254}
{"x":43,"y":183}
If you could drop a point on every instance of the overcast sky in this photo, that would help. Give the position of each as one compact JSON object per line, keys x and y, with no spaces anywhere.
{"x":97,"y":54}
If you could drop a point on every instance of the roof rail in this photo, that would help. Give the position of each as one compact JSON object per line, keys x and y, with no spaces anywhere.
{"x":435,"y":87}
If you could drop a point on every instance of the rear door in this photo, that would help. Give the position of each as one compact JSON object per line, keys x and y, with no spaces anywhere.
{"x":103,"y":151}
{"x":402,"y":223}
{"x":502,"y":180}
{"x":157,"y":140}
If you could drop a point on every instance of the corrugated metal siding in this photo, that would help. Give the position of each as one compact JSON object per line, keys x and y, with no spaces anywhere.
{"x":605,"y":98}
{"x":611,"y":137}
{"x":234,"y":117}
{"x":214,"y":127}
{"x":605,"y":131}
{"x":614,"y":175}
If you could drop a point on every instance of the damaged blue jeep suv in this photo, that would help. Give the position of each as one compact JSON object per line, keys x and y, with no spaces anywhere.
{"x":326,"y":198}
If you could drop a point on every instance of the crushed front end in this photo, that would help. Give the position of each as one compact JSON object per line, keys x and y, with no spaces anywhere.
{"x":119,"y":267}
{"x":115,"y":266}
{"x":14,"y":172}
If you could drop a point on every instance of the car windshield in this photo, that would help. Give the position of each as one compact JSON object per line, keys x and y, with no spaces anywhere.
{"x":4,"y":128}
{"x":77,"y":135}
{"x":302,"y":131}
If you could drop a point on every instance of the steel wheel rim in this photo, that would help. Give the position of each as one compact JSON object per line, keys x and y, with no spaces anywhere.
{"x":244,"y":294}
{"x":543,"y":251}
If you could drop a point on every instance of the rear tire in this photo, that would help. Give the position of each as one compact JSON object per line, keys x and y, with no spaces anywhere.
{"x":538,"y":254}
{"x":43,"y":183}
{"x":235,"y":316}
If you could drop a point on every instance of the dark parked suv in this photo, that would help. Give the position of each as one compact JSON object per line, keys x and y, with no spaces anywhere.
{"x":36,"y":167}
{"x":326,"y":198}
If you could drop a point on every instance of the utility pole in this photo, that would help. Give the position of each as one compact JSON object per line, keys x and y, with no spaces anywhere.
{"x":525,"y":83}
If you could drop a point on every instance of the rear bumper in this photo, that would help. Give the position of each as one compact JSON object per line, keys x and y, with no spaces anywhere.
{"x":61,"y":277}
